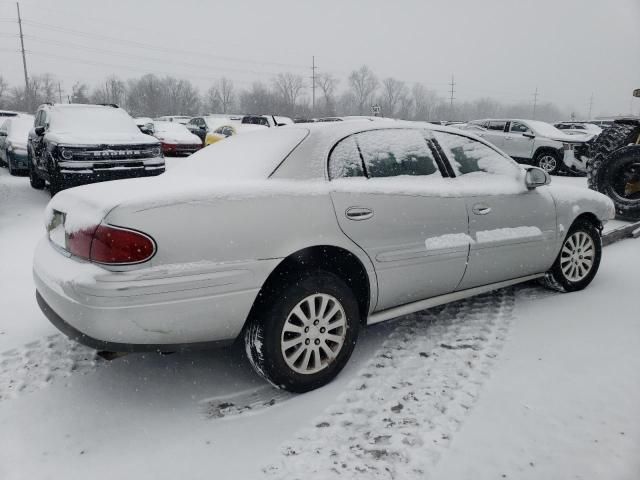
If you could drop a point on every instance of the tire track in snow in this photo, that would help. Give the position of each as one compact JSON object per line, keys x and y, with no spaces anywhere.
{"x":40,"y":363}
{"x":401,"y":411}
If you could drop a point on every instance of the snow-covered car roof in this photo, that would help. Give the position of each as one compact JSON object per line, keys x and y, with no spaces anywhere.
{"x":299,"y":151}
{"x":19,"y":127}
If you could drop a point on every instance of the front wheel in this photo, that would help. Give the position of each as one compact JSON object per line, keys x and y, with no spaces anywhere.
{"x":578,"y":260}
{"x":35,"y":181}
{"x":549,"y":161}
{"x":304,"y":333}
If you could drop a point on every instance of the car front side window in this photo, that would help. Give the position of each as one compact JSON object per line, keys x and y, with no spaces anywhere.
{"x":470,"y":156}
{"x":497,"y":126}
{"x":394,"y":152}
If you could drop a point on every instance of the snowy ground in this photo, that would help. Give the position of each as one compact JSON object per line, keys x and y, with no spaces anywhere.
{"x":523,"y":383}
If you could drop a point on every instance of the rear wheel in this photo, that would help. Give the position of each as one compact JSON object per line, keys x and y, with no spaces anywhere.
{"x":578,"y":260}
{"x":303,"y":334}
{"x":619,"y":178}
{"x":548,"y":161}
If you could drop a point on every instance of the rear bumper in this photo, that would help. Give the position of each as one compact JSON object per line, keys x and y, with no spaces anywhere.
{"x":146,"y":309}
{"x":18,"y":160}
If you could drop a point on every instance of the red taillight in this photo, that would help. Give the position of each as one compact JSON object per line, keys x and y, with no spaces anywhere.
{"x":79,"y":242}
{"x":119,"y":245}
{"x":108,"y":244}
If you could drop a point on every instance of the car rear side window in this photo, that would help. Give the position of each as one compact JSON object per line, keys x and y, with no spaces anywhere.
{"x":517,"y":127}
{"x":467,"y":155}
{"x":498,"y":126}
{"x":394,"y":152}
{"x":345,"y":160}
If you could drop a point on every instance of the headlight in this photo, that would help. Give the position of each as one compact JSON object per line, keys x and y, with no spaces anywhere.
{"x":156,"y":152}
{"x":66,"y":154}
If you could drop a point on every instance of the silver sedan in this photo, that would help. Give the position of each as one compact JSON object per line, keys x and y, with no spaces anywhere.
{"x":292,"y":239}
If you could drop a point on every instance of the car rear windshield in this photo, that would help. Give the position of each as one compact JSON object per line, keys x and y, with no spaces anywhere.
{"x":19,"y":128}
{"x":92,"y":120}
{"x":251,"y":156}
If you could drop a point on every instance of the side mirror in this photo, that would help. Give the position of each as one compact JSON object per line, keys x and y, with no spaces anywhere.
{"x":147,"y":129}
{"x":536,"y":177}
{"x":39,"y":131}
{"x":636,"y":92}
{"x":528,"y":135}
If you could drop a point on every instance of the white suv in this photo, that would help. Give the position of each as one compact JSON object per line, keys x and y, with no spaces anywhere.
{"x":534,"y":142}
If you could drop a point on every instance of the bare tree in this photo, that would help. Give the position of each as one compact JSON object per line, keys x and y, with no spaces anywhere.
{"x":257,"y":100}
{"x":80,"y":93}
{"x":227,"y":94}
{"x":288,"y":87}
{"x":393,"y":93}
{"x":424,"y":102}
{"x":181,"y":96}
{"x":113,"y":90}
{"x":327,"y":84}
{"x":211,"y":101}
{"x":363,"y":85}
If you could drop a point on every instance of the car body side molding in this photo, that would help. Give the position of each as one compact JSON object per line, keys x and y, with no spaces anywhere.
{"x":394,"y":312}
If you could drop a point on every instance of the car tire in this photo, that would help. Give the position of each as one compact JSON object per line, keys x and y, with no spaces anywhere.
{"x":12,"y":171}
{"x":303,"y":332}
{"x":549,"y":161}
{"x":611,"y":139}
{"x":35,"y":180}
{"x":55,"y":185}
{"x":578,"y":260}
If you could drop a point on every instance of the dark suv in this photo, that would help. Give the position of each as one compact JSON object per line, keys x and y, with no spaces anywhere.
{"x":76,"y":144}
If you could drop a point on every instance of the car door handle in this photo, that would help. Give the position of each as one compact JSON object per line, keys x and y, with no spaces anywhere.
{"x":358,"y":213}
{"x":481,"y":209}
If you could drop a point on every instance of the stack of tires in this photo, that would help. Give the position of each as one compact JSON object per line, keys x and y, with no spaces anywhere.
{"x":614,"y":167}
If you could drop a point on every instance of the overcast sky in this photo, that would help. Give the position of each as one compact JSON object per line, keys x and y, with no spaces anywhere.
{"x":567,"y":49}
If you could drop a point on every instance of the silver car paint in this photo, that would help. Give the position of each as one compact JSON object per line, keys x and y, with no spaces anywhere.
{"x":214,"y":256}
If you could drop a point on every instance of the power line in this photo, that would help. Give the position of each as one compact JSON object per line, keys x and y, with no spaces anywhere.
{"x":201,"y":66}
{"x":452,"y":98}
{"x":153,"y":47}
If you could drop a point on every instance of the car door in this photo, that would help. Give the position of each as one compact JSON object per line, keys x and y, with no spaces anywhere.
{"x":519,"y":141}
{"x":37,"y":142}
{"x":495,"y":132}
{"x":513,"y":229}
{"x":384,"y":190}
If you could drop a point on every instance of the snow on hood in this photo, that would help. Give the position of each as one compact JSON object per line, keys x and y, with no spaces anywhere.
{"x":100,"y":138}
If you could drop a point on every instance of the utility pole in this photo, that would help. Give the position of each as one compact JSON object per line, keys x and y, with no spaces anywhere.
{"x":313,"y":85}
{"x":452,"y":98}
{"x":27,"y":92}
{"x":59,"y":92}
{"x":535,"y":103}
{"x":590,"y":106}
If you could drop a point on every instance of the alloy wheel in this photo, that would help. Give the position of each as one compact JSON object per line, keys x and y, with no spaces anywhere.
{"x":548,"y":163}
{"x":577,"y":256}
{"x":313,"y":333}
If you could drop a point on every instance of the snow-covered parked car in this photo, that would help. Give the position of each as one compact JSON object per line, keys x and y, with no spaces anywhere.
{"x":13,"y":142}
{"x":536,"y":143}
{"x":76,"y":144}
{"x":292,"y":239}
{"x":175,"y":138}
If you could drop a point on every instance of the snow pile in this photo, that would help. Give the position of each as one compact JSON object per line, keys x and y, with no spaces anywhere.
{"x":516,"y":233}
